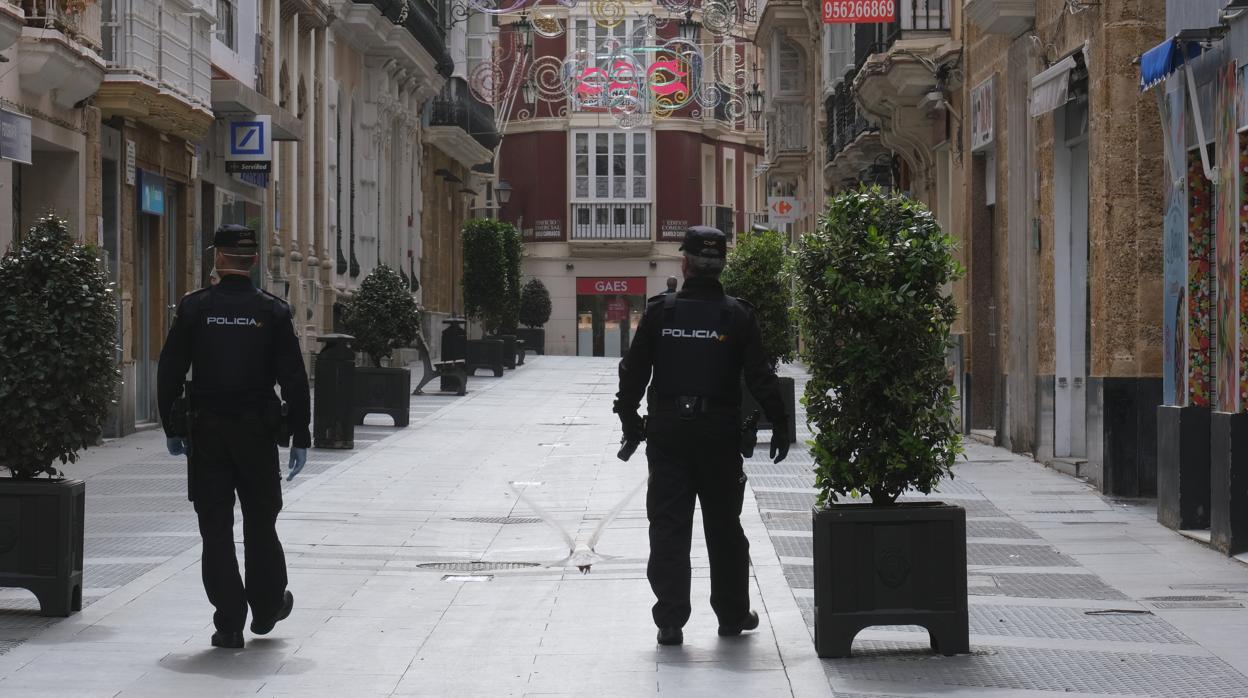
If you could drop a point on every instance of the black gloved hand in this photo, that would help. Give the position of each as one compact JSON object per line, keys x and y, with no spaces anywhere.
{"x":779,"y":445}
{"x":632,"y":424}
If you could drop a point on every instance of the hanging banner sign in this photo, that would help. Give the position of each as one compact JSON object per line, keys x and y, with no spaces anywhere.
{"x":859,"y":11}
{"x":251,"y":145}
{"x":982,"y":117}
{"x":632,"y":286}
{"x":783,"y":209}
{"x":15,"y":137}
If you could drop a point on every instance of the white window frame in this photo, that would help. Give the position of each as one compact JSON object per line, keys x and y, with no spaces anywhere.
{"x":630,"y":165}
{"x":479,"y":33}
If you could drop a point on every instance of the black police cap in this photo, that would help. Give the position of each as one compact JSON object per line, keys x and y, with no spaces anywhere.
{"x":235,"y":236}
{"x":705,"y":241}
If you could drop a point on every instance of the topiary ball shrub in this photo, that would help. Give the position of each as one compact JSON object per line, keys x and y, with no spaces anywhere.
{"x":758,"y":271}
{"x":58,"y":337}
{"x":534,"y":304}
{"x":381,"y":314}
{"x":875,"y":315}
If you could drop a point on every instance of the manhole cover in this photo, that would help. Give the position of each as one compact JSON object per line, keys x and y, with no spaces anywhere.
{"x":1065,"y":511}
{"x":467,"y":577}
{"x":556,"y":444}
{"x":1197,"y":604}
{"x":1098,"y":523}
{"x":476,"y":566}
{"x":497,"y":519}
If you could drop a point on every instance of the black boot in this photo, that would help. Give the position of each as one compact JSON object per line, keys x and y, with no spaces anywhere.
{"x":228,"y":639}
{"x":749,"y":622}
{"x":262,"y":627}
{"x":671,"y":636}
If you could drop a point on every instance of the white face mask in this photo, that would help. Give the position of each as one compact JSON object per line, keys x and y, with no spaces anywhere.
{"x":213,"y":277}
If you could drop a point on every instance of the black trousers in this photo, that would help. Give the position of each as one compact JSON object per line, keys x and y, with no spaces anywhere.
{"x":696,"y":459}
{"x":238,"y":455}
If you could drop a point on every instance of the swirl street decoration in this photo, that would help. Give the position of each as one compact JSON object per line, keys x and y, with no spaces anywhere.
{"x":636,"y":78}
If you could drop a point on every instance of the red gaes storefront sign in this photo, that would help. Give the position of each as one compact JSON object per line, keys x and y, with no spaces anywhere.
{"x":611,"y":286}
{"x":859,"y":11}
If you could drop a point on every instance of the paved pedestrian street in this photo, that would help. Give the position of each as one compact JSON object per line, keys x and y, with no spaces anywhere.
{"x":432,"y":561}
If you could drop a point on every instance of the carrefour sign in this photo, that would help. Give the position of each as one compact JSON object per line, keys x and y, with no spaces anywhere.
{"x":859,"y":11}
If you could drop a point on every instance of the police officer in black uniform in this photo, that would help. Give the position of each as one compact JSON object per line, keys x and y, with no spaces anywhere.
{"x":240,"y":341}
{"x":697,"y":343}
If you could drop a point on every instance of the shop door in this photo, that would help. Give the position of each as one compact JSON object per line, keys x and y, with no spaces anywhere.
{"x":1071,"y":289}
{"x":144,"y":364}
{"x":608,"y":311}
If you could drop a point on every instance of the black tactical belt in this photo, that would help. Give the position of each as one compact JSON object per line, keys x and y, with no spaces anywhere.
{"x":693,"y":404}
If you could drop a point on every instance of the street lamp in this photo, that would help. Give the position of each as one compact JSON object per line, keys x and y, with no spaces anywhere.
{"x":755,"y":100}
{"x":528,"y":91}
{"x":689,"y":28}
{"x":502,"y":191}
{"x":525,"y":28}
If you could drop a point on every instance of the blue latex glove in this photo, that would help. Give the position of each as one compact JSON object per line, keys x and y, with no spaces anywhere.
{"x":176,"y":445}
{"x":298,"y":459}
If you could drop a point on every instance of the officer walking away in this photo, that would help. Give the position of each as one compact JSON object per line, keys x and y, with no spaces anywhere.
{"x":239,"y":341}
{"x":697,"y":343}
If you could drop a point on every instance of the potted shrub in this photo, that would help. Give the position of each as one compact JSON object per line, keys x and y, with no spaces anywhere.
{"x":513,"y":250}
{"x":382,"y":316}
{"x":872,"y":282}
{"x":57,"y":380}
{"x":758,"y":272}
{"x":534,"y":314}
{"x":485,"y":290}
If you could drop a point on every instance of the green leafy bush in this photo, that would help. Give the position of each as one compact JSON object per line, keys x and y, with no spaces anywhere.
{"x":58,"y":337}
{"x":381,"y":314}
{"x":492,"y":252}
{"x":876,"y":317}
{"x":758,"y":271}
{"x":534,"y":304}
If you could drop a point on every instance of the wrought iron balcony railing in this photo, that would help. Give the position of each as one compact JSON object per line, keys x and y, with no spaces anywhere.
{"x":610,"y":221}
{"x":423,"y":20}
{"x":456,"y":106}
{"x":912,"y":16}
{"x":845,"y":121}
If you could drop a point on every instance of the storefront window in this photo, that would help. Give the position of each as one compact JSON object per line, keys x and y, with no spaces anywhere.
{"x":608,"y":311}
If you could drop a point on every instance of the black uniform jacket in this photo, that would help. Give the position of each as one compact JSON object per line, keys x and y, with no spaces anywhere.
{"x":700,"y":346}
{"x":240,"y":340}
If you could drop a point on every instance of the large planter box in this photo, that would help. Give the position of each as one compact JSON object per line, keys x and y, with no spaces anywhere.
{"x":509,"y":349}
{"x":487,"y":354}
{"x":41,"y":541}
{"x":534,"y":339}
{"x":1228,"y":482}
{"x":788,"y":394}
{"x":1183,"y":490}
{"x":383,"y":391}
{"x":903,"y":564}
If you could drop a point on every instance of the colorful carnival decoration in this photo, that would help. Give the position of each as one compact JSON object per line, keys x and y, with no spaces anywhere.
{"x":636,"y":77}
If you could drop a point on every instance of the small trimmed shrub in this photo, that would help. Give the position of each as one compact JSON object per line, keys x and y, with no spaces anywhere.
{"x":534,"y":304}
{"x":381,"y":314}
{"x":876,"y":318}
{"x":492,"y":273}
{"x":758,"y":271}
{"x":58,"y":337}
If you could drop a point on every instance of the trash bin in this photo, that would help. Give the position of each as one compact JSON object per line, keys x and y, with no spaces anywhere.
{"x":333,"y":423}
{"x":454,"y":340}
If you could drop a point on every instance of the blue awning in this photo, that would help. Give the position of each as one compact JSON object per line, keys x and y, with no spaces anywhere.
{"x":1159,"y":62}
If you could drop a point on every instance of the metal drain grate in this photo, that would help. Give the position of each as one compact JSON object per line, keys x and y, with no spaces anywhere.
{"x":1188,"y":598}
{"x":476,"y":566}
{"x":1196,"y":604}
{"x":1071,"y":511}
{"x":497,"y":519}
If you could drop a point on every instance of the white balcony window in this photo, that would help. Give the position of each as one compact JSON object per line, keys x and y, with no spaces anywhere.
{"x":227,"y":23}
{"x":610,"y":184}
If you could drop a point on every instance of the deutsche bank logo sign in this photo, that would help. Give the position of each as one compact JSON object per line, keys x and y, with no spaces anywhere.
{"x":250,"y":146}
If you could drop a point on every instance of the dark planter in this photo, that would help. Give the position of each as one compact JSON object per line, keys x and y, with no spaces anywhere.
{"x":1183,"y":491}
{"x":903,"y":564}
{"x":1228,"y":481}
{"x":509,"y":349}
{"x":788,"y":394}
{"x":534,"y":339}
{"x":383,"y":391}
{"x":454,"y":339}
{"x":487,"y":354}
{"x":41,"y":541}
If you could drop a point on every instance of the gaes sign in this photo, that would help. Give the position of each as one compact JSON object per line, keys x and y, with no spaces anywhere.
{"x":859,"y":11}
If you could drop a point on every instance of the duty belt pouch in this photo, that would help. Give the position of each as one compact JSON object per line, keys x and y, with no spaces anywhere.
{"x":275,"y":420}
{"x":687,"y":406}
